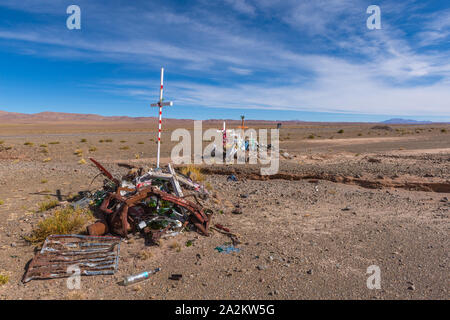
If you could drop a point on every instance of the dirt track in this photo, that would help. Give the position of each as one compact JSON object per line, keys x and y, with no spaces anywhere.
{"x":336,"y":207}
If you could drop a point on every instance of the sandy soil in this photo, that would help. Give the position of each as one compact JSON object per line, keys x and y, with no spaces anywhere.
{"x":340,"y":203}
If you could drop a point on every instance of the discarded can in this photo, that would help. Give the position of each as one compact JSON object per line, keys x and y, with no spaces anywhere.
{"x":139,"y":277}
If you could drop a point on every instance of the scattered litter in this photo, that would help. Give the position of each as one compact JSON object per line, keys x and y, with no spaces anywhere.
{"x":176,"y":277}
{"x":139,"y":277}
{"x":227,"y":249}
{"x":232,"y":178}
{"x":92,"y":255}
{"x":233,"y":236}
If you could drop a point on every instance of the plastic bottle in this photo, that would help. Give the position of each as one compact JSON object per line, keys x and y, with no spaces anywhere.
{"x":139,"y":277}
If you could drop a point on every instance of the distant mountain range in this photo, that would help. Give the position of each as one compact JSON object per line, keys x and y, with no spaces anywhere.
{"x":47,"y":116}
{"x":405,"y":121}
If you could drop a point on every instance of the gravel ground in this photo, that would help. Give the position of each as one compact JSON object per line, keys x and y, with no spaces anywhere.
{"x":309,"y":233}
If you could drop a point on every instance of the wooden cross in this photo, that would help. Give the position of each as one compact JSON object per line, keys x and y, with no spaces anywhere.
{"x":160,"y":104}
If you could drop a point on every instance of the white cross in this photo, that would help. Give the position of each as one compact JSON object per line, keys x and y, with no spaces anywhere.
{"x":160,"y":104}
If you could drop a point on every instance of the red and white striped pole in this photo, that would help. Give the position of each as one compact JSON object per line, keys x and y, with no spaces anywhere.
{"x":160,"y":116}
{"x":160,"y":104}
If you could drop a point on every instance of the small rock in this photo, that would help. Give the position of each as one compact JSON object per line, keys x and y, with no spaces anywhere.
{"x":412,"y":288}
{"x":236,"y":211}
{"x":347,"y":208}
{"x":261,"y":267}
{"x":309,"y":271}
{"x":13,"y":244}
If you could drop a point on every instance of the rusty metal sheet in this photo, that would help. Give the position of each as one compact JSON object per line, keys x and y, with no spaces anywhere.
{"x":93,"y":256}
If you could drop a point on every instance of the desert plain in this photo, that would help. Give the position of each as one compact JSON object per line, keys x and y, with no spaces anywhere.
{"x":347,"y":196}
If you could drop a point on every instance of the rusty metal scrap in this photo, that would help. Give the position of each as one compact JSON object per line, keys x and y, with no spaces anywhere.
{"x":120,"y":216}
{"x":134,"y":203}
{"x":105,"y":172}
{"x":92,"y":255}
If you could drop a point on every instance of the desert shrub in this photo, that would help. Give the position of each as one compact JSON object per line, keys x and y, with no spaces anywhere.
{"x":101,"y":141}
{"x":43,"y":145}
{"x":47,"y":160}
{"x":83,"y":140}
{"x":311,"y":136}
{"x":444,"y":130}
{"x":123,"y":141}
{"x":47,"y":205}
{"x":193,"y":173}
{"x":82,"y":161}
{"x":92,"y":149}
{"x":28,"y":143}
{"x":124,"y":148}
{"x":63,"y":221}
{"x":54,"y":142}
{"x":341,"y":131}
{"x":2,"y":202}
{"x":1,"y":141}
{"x":108,"y":140}
{"x":44,"y":181}
{"x":140,"y":142}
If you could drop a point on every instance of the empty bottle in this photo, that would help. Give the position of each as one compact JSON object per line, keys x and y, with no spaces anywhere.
{"x":139,"y":277}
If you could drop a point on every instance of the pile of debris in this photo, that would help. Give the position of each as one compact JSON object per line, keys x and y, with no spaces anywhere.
{"x":150,"y":202}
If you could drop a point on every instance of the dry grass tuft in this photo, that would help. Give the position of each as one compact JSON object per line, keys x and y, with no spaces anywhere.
{"x":63,"y":221}
{"x":28,"y":143}
{"x":4,"y":278}
{"x":47,"y":205}
{"x":76,"y":295}
{"x":175,"y":246}
{"x":82,"y":161}
{"x":144,"y":255}
{"x":193,"y":173}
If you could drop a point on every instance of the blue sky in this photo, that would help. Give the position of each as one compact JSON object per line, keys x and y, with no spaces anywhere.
{"x":267,"y":59}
